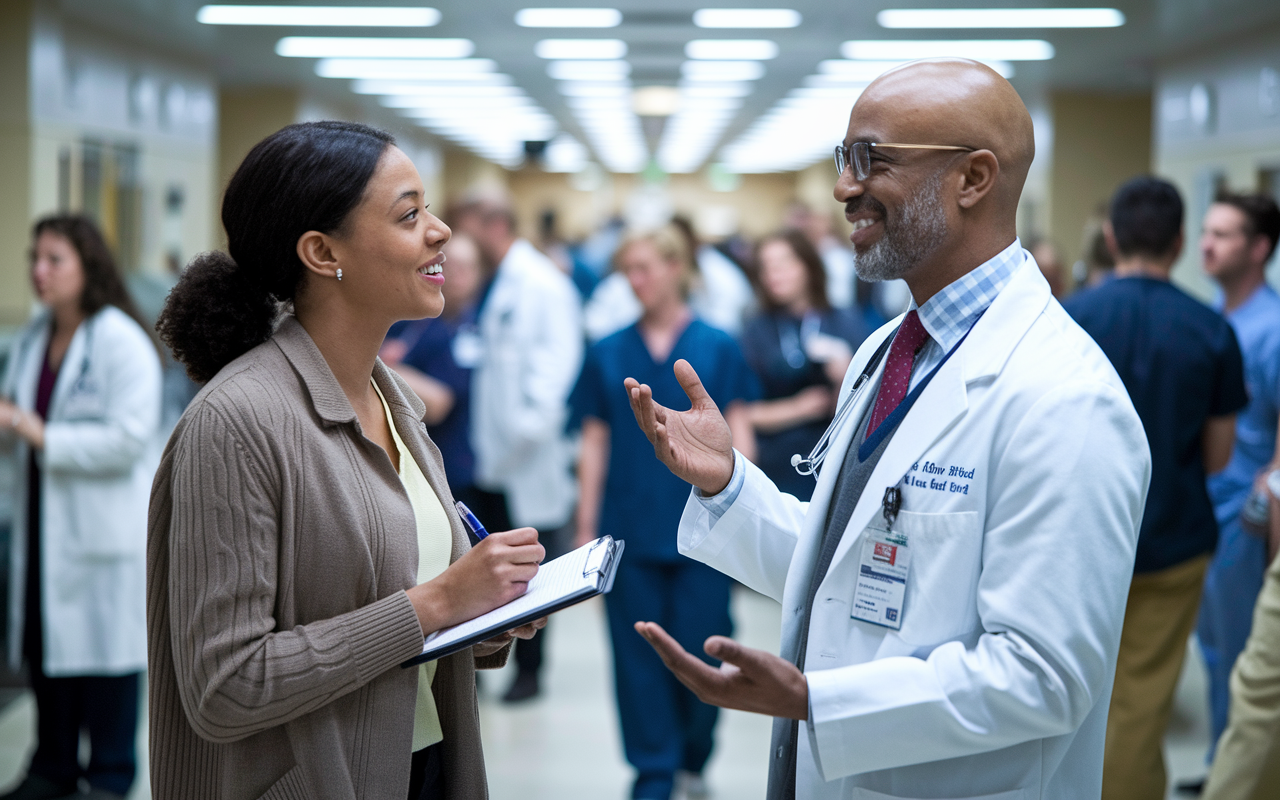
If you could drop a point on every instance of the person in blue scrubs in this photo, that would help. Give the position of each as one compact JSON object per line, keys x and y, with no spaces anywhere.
{"x":627,"y":493}
{"x":1240,"y":234}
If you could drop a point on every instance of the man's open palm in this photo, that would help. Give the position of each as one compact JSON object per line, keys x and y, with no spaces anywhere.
{"x":696,"y":445}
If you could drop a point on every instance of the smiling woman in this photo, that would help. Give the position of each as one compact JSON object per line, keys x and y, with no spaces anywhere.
{"x":302,"y":538}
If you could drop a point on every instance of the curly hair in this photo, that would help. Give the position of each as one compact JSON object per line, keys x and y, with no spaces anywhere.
{"x":305,"y":177}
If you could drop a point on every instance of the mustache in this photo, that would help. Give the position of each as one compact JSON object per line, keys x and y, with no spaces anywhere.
{"x":865,"y":202}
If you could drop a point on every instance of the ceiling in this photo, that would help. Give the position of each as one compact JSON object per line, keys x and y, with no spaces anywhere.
{"x":656,"y":32}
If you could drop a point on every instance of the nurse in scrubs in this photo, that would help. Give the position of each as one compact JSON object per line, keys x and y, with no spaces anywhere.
{"x":627,"y":493}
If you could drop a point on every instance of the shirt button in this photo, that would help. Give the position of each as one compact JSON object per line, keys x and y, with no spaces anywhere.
{"x":779,"y":751}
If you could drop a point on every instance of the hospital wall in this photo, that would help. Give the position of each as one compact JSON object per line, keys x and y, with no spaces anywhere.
{"x":1217,"y":125}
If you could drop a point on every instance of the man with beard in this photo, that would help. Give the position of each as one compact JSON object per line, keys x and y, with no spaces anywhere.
{"x":952,"y":596}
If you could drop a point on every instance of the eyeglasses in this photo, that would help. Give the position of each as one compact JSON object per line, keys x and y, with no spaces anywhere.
{"x":858,"y":155}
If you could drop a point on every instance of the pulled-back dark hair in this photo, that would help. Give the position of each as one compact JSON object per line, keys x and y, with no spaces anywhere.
{"x":1261,"y":215}
{"x":815,"y":272}
{"x":103,"y":285}
{"x":1146,"y":217}
{"x":304,"y":177}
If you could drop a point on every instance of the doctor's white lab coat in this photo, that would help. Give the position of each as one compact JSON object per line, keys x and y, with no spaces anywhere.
{"x":1024,"y":471}
{"x":99,"y":458}
{"x":531,"y":329}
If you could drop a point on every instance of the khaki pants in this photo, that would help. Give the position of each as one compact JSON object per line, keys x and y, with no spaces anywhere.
{"x":1247,"y":763}
{"x":1157,"y":622}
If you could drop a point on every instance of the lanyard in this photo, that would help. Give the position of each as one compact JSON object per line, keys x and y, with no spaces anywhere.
{"x":810,"y":465}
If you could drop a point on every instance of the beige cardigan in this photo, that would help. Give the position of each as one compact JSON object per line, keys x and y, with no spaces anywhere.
{"x":280,"y":543}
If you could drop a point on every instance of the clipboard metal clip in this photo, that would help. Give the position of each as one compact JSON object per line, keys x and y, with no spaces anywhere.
{"x":599,"y":557}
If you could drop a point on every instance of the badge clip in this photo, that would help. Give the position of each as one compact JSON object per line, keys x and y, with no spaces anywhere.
{"x":891,"y":505}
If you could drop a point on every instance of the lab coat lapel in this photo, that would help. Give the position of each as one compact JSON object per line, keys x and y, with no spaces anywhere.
{"x":72,"y":365}
{"x":945,"y":400}
{"x":27,"y":363}
{"x":941,"y":403}
{"x":809,"y":543}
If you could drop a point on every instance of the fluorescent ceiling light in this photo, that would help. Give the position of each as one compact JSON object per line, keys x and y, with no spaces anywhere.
{"x":655,"y":101}
{"x":978,"y":49}
{"x":833,"y":71}
{"x":568,"y":17}
{"x":341,"y":16}
{"x":455,"y":102}
{"x":407,"y":69}
{"x":437,"y":89}
{"x":720,"y":71}
{"x":1000,"y":18}
{"x":372,"y":47}
{"x":746,"y":18}
{"x":732,"y":49}
{"x":581,"y":49}
{"x":588,"y":70}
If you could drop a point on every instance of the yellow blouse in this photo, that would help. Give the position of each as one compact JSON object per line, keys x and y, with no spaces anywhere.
{"x":435,"y":543}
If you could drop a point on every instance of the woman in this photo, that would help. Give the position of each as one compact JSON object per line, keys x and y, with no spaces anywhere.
{"x":302,"y":537}
{"x":800,"y":347}
{"x":625,"y":492}
{"x":80,"y":403}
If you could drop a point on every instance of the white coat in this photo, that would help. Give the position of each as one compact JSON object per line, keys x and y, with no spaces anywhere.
{"x":97,"y":464}
{"x":531,"y":330}
{"x":1024,"y":470}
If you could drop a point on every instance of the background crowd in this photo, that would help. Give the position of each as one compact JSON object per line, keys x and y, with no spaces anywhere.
{"x":521,"y":378}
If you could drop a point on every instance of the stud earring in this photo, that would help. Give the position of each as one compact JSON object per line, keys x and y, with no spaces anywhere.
{"x":339,"y":273}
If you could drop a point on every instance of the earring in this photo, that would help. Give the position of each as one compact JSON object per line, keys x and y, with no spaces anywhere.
{"x":339,"y":273}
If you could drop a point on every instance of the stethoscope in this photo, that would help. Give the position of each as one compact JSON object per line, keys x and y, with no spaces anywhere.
{"x":83,"y":384}
{"x":808,"y":466}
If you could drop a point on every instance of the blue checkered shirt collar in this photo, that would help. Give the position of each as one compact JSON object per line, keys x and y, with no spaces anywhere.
{"x":950,"y":313}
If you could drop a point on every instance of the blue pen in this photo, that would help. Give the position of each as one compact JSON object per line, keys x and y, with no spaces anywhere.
{"x":470,"y":519}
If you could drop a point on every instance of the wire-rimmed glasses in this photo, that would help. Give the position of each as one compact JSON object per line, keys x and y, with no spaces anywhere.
{"x":858,"y":155}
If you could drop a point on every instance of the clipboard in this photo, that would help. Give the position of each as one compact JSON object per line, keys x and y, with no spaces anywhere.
{"x":566,"y":581}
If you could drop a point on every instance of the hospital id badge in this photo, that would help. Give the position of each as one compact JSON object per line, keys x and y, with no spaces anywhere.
{"x":882,"y":579}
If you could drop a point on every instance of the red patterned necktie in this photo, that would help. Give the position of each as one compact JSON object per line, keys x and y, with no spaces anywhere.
{"x":911,"y":336}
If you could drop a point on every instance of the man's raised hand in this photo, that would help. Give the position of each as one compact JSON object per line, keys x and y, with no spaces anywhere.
{"x":696,"y":444}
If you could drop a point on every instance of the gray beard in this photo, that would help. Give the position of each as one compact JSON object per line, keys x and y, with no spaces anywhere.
{"x":920,"y":231}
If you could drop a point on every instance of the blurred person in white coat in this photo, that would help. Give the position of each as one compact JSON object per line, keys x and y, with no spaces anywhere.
{"x":954,"y":593}
{"x":79,"y":414}
{"x":530,"y":323}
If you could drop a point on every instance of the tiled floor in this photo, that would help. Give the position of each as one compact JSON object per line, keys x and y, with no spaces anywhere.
{"x":564,"y":745}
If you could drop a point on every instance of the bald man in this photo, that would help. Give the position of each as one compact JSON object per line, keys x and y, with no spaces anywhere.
{"x":952,"y":596}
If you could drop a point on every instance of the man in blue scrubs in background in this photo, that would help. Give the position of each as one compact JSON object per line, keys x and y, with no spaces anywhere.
{"x":1240,"y":233}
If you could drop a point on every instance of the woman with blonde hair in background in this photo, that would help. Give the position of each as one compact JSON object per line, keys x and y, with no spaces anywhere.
{"x":627,"y":493}
{"x":80,"y":407}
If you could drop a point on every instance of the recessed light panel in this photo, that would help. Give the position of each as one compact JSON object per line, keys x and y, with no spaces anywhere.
{"x":320,"y":16}
{"x":732,"y":49}
{"x":581,"y":49}
{"x":588,"y":70}
{"x":1000,"y":18}
{"x":746,"y":18}
{"x":372,"y":47}
{"x":479,"y":69}
{"x":977,"y":49}
{"x":568,"y":17}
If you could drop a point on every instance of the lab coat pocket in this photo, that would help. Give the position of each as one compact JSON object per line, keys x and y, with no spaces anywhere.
{"x":946,"y":554}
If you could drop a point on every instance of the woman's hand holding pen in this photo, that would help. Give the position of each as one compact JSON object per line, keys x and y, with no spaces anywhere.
{"x":696,"y":445}
{"x":493,"y":573}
